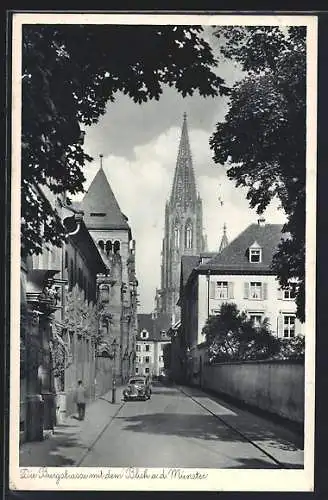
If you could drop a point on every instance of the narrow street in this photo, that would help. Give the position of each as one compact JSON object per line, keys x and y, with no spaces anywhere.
{"x":178,"y":427}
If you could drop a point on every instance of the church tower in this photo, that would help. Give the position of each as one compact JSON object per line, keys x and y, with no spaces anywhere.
{"x":183,"y":233}
{"x":117,"y":289}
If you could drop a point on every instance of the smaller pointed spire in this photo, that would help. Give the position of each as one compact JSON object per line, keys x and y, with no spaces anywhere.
{"x":224,"y":241}
{"x":101,"y":160}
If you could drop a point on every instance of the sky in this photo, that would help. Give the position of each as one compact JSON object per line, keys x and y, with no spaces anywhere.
{"x":139,"y":144}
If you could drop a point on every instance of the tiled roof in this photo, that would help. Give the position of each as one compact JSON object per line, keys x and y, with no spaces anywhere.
{"x":234,"y":257}
{"x":100,"y":201}
{"x":145,"y":322}
{"x":154,"y":326}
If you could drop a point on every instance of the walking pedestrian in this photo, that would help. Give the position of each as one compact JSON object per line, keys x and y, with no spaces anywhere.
{"x":80,"y":400}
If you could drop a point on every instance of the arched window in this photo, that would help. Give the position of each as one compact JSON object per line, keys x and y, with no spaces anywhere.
{"x":188,"y":235}
{"x":108,"y":247}
{"x":101,"y":244}
{"x":117,"y":246}
{"x":176,"y":237}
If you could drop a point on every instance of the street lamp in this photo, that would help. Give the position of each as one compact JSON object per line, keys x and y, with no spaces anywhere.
{"x":208,"y":292}
{"x":114,"y":347}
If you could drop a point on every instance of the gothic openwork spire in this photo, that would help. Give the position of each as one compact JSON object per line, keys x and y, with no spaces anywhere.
{"x":224,"y":241}
{"x":184,"y":186}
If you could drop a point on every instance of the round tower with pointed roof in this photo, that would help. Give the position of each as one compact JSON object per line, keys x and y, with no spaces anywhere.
{"x":111,"y":232}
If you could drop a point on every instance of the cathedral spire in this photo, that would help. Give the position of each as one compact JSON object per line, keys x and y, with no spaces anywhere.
{"x":224,"y":241}
{"x":184,"y":185}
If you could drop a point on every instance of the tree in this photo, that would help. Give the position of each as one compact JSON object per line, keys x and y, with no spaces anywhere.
{"x":69,"y":74}
{"x":263,"y":138}
{"x":231,"y":335}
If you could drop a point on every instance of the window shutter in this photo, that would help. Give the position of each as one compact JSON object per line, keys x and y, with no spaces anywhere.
{"x":280,"y":325}
{"x":246,"y":290}
{"x":280,"y":293}
{"x":230,"y":290}
{"x":298,"y":327}
{"x":265,"y":291}
{"x":212,"y":289}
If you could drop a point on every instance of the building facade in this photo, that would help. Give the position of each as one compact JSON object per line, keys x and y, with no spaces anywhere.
{"x":111,"y":233}
{"x":183,"y":233}
{"x":151,"y":340}
{"x":241,"y":273}
{"x":58,"y":326}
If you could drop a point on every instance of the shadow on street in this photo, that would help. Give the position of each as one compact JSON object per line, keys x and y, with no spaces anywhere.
{"x":57,"y":449}
{"x":205,"y":427}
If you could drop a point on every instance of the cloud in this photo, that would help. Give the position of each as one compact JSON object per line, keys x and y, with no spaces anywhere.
{"x":234,"y":212}
{"x":142,"y":186}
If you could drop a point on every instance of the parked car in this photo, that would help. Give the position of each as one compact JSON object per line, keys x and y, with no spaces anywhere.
{"x":137,"y":388}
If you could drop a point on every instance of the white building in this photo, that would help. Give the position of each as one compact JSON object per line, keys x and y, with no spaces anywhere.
{"x":241,"y":273}
{"x":150,"y":344}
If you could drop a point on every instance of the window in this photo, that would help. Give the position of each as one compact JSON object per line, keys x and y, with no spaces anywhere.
{"x":146,"y":370}
{"x":108,"y":247}
{"x":117,"y":246}
{"x":289,"y":294}
{"x":176,"y":237}
{"x":255,"y":290}
{"x":146,"y":359}
{"x":97,"y":214}
{"x":137,"y":370}
{"x":256,"y":318}
{"x":101,"y":244}
{"x":147,"y":347}
{"x":255,"y":255}
{"x":188,"y":238}
{"x":144,"y":334}
{"x":289,"y":326}
{"x":255,"y":252}
{"x":222,"y":289}
{"x":138,"y":348}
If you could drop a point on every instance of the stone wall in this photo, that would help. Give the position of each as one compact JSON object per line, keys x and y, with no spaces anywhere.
{"x":104,"y":374}
{"x":274,"y":386}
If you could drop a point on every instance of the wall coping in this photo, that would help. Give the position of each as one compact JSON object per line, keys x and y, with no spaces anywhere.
{"x":260,"y":362}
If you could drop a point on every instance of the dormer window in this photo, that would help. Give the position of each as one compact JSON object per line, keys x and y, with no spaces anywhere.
{"x":144,"y":334}
{"x":255,"y":253}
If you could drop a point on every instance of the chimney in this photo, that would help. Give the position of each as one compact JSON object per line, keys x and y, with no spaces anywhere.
{"x":261,"y":222}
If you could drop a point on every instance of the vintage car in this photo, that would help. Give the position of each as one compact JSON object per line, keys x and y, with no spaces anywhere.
{"x":138,"y":388}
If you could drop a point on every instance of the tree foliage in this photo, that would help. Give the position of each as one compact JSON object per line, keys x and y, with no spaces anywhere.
{"x":69,"y":74}
{"x":263,"y":138}
{"x":232,"y":336}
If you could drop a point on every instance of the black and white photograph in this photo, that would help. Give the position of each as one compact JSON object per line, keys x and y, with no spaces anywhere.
{"x":163,"y":212}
